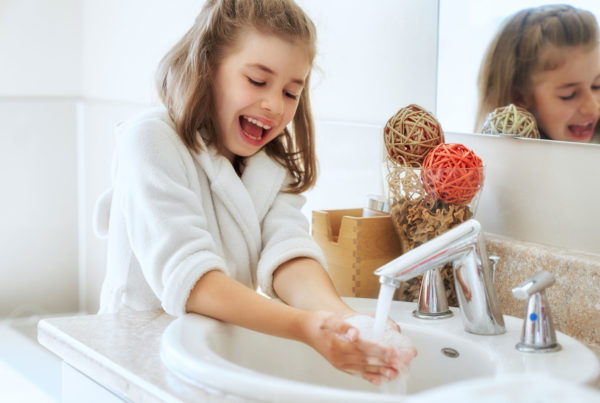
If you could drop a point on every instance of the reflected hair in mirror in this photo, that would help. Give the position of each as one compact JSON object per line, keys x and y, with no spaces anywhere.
{"x":515,"y":53}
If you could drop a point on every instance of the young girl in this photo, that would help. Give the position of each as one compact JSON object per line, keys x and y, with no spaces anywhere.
{"x":205,"y":204}
{"x":546,"y":60}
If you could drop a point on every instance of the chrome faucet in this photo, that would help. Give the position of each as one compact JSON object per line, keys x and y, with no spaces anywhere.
{"x":538,"y":333}
{"x":464,"y":246}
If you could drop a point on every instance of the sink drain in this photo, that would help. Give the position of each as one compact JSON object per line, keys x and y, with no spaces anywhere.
{"x":450,"y":352}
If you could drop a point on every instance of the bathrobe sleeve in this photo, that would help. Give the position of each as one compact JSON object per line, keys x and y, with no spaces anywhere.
{"x":164,"y":212}
{"x":285,"y":236}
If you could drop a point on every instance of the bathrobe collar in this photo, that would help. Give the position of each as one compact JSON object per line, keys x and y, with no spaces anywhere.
{"x":247,"y":199}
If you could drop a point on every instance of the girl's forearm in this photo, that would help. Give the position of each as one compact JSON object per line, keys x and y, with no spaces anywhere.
{"x":316,"y":319}
{"x":304,"y":283}
{"x":218,"y":296}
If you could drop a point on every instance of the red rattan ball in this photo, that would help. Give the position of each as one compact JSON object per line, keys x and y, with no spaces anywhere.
{"x":452,"y":173}
{"x":410,"y":134}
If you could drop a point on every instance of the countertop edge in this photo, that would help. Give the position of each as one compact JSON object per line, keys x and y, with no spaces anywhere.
{"x":119,"y":381}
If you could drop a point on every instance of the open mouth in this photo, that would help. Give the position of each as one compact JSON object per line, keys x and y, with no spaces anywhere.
{"x":582,"y":132}
{"x":253,"y":128}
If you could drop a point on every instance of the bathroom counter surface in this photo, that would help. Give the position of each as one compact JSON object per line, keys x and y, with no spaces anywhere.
{"x":122,"y":353}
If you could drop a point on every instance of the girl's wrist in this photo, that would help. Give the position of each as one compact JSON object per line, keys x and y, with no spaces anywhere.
{"x":340,"y":307}
{"x":303,"y":326}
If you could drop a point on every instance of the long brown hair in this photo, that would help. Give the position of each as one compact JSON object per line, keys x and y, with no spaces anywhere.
{"x":185,"y":74}
{"x":515,"y":53}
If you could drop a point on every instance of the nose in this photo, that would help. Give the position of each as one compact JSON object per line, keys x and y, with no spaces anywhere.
{"x":590,"y":104}
{"x":273,"y":102}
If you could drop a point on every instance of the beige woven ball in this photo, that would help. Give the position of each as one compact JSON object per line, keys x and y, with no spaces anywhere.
{"x":511,"y":120}
{"x":410,"y":134}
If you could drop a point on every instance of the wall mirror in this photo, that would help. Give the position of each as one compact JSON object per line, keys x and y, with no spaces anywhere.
{"x":466,"y":27}
{"x":537,"y":190}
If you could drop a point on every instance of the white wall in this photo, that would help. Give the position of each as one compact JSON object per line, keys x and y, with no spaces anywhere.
{"x":71,"y":69}
{"x":38,"y":230}
{"x":40,"y":71}
{"x":374,"y":57}
{"x":356,"y":88}
{"x":124,"y":41}
{"x":40,"y":48}
{"x":539,"y":191}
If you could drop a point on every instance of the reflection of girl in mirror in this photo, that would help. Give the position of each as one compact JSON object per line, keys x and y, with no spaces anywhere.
{"x":546,"y":59}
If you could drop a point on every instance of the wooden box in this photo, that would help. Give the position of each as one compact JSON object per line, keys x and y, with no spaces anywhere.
{"x":355,"y":244}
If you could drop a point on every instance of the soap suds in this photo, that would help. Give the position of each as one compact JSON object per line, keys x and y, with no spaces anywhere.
{"x":390,"y":337}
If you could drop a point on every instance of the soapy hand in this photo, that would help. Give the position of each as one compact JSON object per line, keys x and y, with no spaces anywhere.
{"x":339,"y":342}
{"x":391,"y":337}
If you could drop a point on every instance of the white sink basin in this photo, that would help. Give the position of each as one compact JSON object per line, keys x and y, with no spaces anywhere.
{"x":252,"y":365}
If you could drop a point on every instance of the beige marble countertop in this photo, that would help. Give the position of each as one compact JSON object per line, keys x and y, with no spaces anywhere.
{"x":122,"y":353}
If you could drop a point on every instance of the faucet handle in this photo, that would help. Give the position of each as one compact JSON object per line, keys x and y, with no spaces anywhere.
{"x":538,"y":333}
{"x":539,"y":282}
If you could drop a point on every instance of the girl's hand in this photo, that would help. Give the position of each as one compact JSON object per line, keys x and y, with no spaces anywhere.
{"x":403,"y":355}
{"x":338,"y":342}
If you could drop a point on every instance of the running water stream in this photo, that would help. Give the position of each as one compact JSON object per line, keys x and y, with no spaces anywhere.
{"x":386,"y":293}
{"x":384,"y":302}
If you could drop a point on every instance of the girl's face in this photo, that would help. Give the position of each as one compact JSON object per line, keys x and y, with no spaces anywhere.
{"x":256,"y":91}
{"x":566,"y":100}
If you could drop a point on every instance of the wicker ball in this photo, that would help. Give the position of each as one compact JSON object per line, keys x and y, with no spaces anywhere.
{"x":511,"y":120}
{"x":410,"y":134}
{"x":452,"y":173}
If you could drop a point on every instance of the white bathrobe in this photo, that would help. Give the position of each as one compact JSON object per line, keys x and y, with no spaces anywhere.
{"x":173,"y":215}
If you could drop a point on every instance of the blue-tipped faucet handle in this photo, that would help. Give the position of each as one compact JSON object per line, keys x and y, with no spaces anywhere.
{"x":538,"y":335}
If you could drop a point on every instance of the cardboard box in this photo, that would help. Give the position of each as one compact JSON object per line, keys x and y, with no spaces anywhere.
{"x":355,"y":243}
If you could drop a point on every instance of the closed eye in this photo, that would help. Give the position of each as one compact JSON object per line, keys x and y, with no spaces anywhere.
{"x":257,"y":83}
{"x":569,"y":97}
{"x":290,"y":95}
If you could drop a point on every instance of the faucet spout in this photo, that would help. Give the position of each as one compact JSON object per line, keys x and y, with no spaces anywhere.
{"x":464,"y":246}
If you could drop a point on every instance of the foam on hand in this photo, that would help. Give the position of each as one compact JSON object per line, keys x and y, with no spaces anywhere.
{"x":390,"y":337}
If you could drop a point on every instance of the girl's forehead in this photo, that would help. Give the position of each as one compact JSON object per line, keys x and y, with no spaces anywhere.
{"x":258,"y":46}
{"x":244,"y":33}
{"x":554,"y":57}
{"x":568,"y":64}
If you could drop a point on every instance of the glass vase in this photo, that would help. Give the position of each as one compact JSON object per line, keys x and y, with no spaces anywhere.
{"x":425,"y":203}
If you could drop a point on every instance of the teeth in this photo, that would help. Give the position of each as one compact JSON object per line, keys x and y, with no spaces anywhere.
{"x":253,"y":137}
{"x":256,"y":122}
{"x":582,"y":126}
